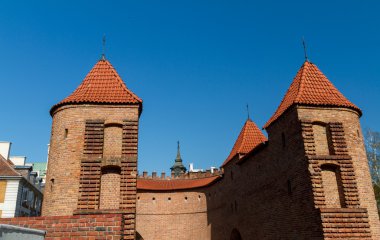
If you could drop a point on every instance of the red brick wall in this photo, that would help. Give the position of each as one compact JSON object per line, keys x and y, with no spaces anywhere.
{"x":73,"y":227}
{"x":355,"y":150}
{"x":113,"y":136}
{"x":269,"y":195}
{"x":110,"y":189}
{"x":66,"y":154}
{"x":173,"y":215}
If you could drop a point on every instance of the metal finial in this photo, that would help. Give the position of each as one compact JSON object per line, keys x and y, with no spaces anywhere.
{"x":104,"y":48}
{"x":248,"y":112}
{"x":304,"y":49}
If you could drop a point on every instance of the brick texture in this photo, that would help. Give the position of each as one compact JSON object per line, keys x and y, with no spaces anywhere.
{"x":90,"y":227}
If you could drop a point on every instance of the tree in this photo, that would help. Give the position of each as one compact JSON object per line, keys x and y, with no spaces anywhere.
{"x":372,"y":143}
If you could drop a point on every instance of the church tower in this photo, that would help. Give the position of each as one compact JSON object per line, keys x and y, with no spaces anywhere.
{"x":93,"y":149}
{"x":178,"y":168}
{"x":319,"y":130}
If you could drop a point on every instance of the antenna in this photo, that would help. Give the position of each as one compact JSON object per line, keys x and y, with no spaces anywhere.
{"x":248,"y":112}
{"x":104,"y":47}
{"x":304,"y":49}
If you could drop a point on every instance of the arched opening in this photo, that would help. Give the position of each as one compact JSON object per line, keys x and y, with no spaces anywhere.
{"x":110,"y":188}
{"x":113,"y":140}
{"x":332,"y":186}
{"x":235,"y":235}
{"x":322,"y":139}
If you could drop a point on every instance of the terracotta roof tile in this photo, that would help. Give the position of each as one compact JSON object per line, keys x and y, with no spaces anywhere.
{"x":250,"y":136}
{"x":311,"y":87}
{"x":174,"y":184}
{"x":101,"y":85}
{"x":6,"y":168}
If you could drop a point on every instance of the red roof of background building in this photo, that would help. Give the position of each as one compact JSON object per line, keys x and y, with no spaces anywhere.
{"x":250,"y":136}
{"x":6,"y":168}
{"x":311,"y":87}
{"x":101,"y":85}
{"x":174,"y":184}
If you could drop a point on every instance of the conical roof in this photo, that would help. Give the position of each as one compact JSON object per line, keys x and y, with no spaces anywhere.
{"x":311,"y":87}
{"x":102,"y":85}
{"x":250,"y":136}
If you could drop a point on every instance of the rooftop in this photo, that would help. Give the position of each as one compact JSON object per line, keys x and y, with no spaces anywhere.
{"x":102,"y":85}
{"x":250,"y":136}
{"x":311,"y":87}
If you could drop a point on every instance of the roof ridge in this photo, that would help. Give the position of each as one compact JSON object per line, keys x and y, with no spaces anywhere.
{"x":301,"y":85}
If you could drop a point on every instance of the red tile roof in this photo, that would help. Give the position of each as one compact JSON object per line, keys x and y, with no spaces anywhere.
{"x":174,"y":184}
{"x":6,"y":168}
{"x":101,"y":85}
{"x":250,"y":136}
{"x":311,"y":87}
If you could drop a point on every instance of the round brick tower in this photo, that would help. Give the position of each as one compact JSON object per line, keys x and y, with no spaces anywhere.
{"x":93,"y":148}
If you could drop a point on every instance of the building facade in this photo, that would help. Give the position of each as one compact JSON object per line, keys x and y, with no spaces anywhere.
{"x":308,"y":180}
{"x":20,"y":196}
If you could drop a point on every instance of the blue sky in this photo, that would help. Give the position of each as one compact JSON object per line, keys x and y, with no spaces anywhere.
{"x":196,"y":64}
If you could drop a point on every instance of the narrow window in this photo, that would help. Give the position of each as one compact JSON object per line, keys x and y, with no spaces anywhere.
{"x":289,"y":188}
{"x":66,"y":133}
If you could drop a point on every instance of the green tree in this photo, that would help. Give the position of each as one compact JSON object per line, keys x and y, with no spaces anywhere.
{"x":372,"y":143}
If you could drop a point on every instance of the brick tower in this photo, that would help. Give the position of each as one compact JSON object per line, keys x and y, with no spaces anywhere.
{"x":93,"y":149}
{"x":336,"y":181}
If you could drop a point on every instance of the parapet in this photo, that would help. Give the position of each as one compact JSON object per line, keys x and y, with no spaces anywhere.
{"x":187,"y":175}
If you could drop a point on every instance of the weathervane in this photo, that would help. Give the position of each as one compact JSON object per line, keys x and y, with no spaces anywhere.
{"x":304,"y":49}
{"x":104,"y":48}
{"x":248,"y":111}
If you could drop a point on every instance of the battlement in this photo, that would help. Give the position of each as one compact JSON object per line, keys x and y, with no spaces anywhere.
{"x":188,"y":175}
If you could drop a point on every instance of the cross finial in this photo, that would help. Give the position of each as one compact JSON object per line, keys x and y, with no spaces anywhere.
{"x":104,"y":48}
{"x":248,"y":112}
{"x":304,"y":49}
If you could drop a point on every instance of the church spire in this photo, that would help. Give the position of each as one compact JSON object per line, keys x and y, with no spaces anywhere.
{"x":178,"y":158}
{"x":178,"y":168}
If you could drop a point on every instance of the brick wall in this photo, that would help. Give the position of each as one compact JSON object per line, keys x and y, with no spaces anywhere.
{"x":77,"y":160}
{"x":113,"y":136}
{"x":173,"y":215}
{"x":67,"y":154}
{"x":349,"y":155}
{"x":110,"y":189}
{"x":109,"y":226}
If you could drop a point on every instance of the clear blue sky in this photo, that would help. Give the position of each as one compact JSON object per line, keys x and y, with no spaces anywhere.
{"x":196,"y":64}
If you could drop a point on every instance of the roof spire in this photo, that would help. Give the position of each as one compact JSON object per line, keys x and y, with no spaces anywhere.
{"x":104,"y":47}
{"x":248,"y":112}
{"x":304,"y":49}
{"x":178,"y":158}
{"x":178,"y":168}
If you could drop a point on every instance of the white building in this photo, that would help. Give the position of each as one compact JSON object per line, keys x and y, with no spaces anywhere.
{"x":19,"y":196}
